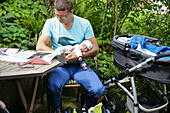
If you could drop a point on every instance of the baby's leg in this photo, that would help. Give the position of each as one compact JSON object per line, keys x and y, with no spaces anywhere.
{"x":83,"y":65}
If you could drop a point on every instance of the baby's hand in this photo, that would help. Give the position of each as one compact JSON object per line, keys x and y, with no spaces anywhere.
{"x":80,"y":58}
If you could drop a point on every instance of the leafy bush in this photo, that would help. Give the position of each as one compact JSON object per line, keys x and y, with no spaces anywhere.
{"x":149,"y":24}
{"x":20,"y":22}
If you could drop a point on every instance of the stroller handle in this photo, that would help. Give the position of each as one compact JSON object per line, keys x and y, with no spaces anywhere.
{"x":127,"y":71}
{"x":118,"y":77}
{"x":162,"y":55}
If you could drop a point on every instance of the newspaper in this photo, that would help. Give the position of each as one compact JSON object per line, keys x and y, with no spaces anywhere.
{"x":17,"y":55}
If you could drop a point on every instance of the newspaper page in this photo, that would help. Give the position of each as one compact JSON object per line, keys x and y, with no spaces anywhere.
{"x":17,"y":55}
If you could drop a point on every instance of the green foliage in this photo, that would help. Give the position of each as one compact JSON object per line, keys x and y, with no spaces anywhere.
{"x":33,"y":23}
{"x":20,"y":22}
{"x":91,"y":10}
{"x":148,"y":24}
{"x":11,"y":35}
{"x":106,"y":67}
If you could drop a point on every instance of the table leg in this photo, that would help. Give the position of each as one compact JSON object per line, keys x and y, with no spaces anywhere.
{"x":34,"y":95}
{"x":23,"y":97}
{"x":22,"y":94}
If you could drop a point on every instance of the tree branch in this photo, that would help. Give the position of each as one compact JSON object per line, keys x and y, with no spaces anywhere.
{"x":116,"y":18}
{"x":104,"y":16}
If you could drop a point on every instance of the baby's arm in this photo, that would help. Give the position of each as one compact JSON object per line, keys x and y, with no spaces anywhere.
{"x":63,"y":48}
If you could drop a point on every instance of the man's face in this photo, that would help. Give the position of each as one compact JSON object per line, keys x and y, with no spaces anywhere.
{"x":84,"y":48}
{"x":62,"y":16}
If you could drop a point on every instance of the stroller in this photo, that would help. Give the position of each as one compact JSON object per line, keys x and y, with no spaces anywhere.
{"x":144,"y":64}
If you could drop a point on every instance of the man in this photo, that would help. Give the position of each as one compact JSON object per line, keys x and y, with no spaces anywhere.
{"x":69,"y":29}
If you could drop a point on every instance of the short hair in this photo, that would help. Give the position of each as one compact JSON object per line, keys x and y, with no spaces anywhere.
{"x":62,"y":5}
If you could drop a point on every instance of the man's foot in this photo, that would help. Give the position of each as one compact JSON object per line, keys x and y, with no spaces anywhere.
{"x":58,"y":110}
{"x":84,"y":67}
{"x":86,"y":106}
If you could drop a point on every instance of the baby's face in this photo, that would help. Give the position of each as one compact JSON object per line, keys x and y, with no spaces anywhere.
{"x":84,"y":48}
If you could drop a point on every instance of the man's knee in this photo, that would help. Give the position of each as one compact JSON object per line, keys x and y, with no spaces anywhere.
{"x":54,"y":88}
{"x":99,"y":91}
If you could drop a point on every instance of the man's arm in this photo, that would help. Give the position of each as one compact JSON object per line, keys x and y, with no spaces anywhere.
{"x":95,"y":49}
{"x":42,"y":46}
{"x":42,"y":43}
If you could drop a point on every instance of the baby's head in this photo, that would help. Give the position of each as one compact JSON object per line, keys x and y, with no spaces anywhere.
{"x":86,"y":45}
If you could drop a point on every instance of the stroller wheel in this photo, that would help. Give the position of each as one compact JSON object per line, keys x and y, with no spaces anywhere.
{"x":112,"y":102}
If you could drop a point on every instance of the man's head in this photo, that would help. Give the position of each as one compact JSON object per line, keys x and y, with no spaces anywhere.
{"x":62,"y":5}
{"x":86,"y":46}
{"x":63,"y":9}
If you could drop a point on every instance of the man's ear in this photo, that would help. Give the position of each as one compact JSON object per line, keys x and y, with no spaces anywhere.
{"x":72,"y":11}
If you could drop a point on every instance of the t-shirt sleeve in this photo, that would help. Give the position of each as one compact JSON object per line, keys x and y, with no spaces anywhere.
{"x":46,"y":29}
{"x":89,"y":31}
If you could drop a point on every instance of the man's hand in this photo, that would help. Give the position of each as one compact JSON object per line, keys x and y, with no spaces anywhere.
{"x":70,"y":56}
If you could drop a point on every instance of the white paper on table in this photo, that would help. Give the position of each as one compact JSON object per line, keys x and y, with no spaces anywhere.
{"x":19,"y":57}
{"x":11,"y":51}
{"x":25,"y":56}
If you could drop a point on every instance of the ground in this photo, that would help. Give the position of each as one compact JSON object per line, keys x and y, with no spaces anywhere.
{"x":67,"y":101}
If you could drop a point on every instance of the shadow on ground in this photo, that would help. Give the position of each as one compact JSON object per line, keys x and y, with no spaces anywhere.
{"x":68,"y":99}
{"x":66,"y":102}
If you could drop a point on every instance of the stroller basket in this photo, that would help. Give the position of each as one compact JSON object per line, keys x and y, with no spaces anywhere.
{"x":127,"y":57}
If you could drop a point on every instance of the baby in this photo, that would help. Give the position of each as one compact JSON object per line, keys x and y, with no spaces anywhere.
{"x":78,"y":49}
